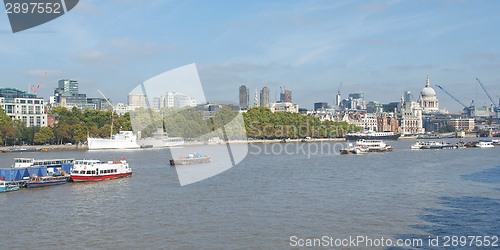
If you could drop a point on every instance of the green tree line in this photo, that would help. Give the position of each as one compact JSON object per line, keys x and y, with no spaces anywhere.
{"x":73,"y":127}
{"x":261,"y":122}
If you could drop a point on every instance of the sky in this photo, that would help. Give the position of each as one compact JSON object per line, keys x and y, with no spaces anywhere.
{"x":382,"y":48}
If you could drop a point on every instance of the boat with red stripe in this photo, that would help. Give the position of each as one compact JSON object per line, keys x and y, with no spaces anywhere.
{"x":96,"y":170}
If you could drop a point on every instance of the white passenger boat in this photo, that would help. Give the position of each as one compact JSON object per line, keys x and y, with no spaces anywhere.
{"x":371,"y":135}
{"x":485,"y":144}
{"x":160,"y":139}
{"x":427,"y":145}
{"x":122,"y":140}
{"x":434,"y":145}
{"x":95,"y":170}
{"x":374,"y":145}
{"x":365,"y":146}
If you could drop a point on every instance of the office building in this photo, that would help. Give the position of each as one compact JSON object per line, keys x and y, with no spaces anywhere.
{"x":264,"y":97}
{"x":173,"y":99}
{"x":24,"y":106}
{"x":244,"y":97}
{"x":137,"y":100}
{"x":286,"y":96}
{"x":66,"y":95}
{"x":357,"y":95}
{"x":320,"y":106}
{"x":408,"y":96}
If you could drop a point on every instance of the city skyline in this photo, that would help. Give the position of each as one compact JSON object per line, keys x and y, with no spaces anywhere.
{"x":382,"y":48}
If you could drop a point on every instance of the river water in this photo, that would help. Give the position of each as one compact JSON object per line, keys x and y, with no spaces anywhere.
{"x":273,"y":199}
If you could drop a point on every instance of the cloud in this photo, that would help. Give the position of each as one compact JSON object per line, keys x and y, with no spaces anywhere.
{"x":94,"y":57}
{"x":482,"y":56}
{"x":426,"y":66}
{"x":130,"y":46}
{"x":116,"y":50}
{"x":373,"y":7}
{"x":231,"y":68}
{"x":402,"y":66}
{"x":85,"y":7}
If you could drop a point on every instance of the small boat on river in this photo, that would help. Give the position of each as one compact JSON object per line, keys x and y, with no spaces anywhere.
{"x":8,"y":186}
{"x":191,"y":159}
{"x":21,"y":150}
{"x":364,"y":146}
{"x":371,"y":135}
{"x":485,"y":144}
{"x":96,"y":170}
{"x":353,"y":150}
{"x":37,"y":181}
{"x":432,"y":145}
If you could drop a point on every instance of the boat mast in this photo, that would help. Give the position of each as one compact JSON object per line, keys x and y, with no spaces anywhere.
{"x":112,"y":111}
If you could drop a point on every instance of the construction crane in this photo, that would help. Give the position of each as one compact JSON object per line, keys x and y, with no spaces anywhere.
{"x":35,"y":90}
{"x":470,"y":109}
{"x":112,"y":111}
{"x":491,"y":99}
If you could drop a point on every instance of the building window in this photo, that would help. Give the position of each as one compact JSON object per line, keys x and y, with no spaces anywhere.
{"x":32,"y":121}
{"x":38,"y":121}
{"x":30,"y":101}
{"x":10,"y":109}
{"x":22,"y":101}
{"x":30,"y":110}
{"x":37,"y":101}
{"x":23,"y":109}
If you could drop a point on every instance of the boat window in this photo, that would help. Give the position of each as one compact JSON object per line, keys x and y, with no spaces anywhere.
{"x":89,"y":172}
{"x":82,"y":172}
{"x":93,"y":171}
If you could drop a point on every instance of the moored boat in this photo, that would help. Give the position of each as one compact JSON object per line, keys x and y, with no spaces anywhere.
{"x":485,"y":144}
{"x":429,"y":136}
{"x":160,"y":139}
{"x":372,"y":135}
{"x":428,"y":145}
{"x":374,"y":145}
{"x":21,"y":150}
{"x":353,"y":150}
{"x":37,"y":181}
{"x":8,"y":186}
{"x":364,"y":146}
{"x":122,"y":140}
{"x":191,"y":159}
{"x":55,"y":167}
{"x":95,"y":170}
